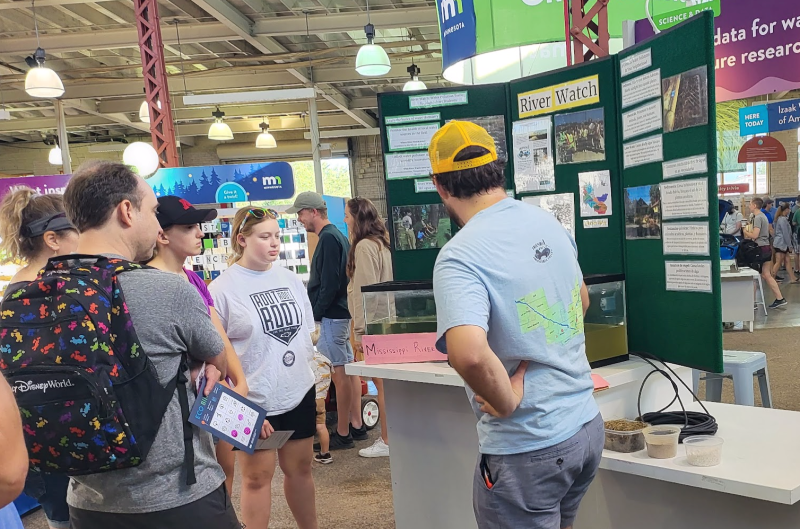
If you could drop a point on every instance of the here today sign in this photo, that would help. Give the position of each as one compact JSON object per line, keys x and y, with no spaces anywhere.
{"x":774,"y":117}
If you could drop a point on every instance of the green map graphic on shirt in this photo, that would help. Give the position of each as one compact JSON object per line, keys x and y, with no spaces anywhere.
{"x":561,"y":323}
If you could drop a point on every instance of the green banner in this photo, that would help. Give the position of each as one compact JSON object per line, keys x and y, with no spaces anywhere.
{"x":667,"y":20}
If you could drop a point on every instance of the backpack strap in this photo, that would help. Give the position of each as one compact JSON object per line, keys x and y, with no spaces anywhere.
{"x":183,"y":399}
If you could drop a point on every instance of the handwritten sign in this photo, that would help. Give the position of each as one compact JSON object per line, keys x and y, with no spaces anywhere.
{"x":401,"y":349}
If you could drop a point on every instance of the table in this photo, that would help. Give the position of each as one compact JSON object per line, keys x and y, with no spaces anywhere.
{"x":738,"y":296}
{"x":434,"y":448}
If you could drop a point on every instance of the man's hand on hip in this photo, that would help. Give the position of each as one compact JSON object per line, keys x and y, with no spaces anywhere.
{"x":517,"y":387}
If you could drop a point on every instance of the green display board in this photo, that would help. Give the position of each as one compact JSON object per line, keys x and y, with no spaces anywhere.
{"x":681,"y":326}
{"x":416,"y":109}
{"x":599,"y":247}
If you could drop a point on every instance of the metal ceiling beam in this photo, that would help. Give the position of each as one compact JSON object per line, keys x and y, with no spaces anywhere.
{"x":42,"y":124}
{"x":251,"y":126}
{"x":131,"y":106}
{"x":90,"y":107}
{"x":46,"y":3}
{"x":343,"y":22}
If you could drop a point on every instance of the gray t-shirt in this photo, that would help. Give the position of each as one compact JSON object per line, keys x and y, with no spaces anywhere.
{"x":170,"y":318}
{"x":760,"y":221}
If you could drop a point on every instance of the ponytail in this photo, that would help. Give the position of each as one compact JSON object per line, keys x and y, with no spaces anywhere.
{"x":18,"y":208}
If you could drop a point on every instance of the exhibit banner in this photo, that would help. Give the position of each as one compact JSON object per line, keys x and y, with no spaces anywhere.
{"x":44,"y":185}
{"x":772,"y":117}
{"x":757,"y":47}
{"x":215,"y":184}
{"x":457,"y":29}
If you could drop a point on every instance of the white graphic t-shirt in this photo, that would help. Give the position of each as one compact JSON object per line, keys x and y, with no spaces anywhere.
{"x":269,"y":321}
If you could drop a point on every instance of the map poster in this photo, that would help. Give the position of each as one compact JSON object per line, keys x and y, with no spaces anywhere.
{"x":561,"y":320}
{"x":534,"y":167}
{"x":561,"y":206}
{"x":595,"y":189}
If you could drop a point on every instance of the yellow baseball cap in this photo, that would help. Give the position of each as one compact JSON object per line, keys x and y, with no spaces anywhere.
{"x":454,"y":137}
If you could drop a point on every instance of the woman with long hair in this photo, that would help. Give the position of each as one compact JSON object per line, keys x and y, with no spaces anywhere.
{"x":783,"y":242}
{"x":369,"y":262}
{"x":267,"y":315}
{"x":35,"y":228}
{"x":180,"y":238}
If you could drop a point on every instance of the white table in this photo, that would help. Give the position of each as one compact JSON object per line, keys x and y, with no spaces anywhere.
{"x":434,"y":449}
{"x":738,"y":296}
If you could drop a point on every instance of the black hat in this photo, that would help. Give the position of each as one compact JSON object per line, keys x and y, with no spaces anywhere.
{"x":174,"y":210}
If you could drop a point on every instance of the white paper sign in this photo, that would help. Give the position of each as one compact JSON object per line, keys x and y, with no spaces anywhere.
{"x":207,"y":227}
{"x":407,"y":165}
{"x":225,"y":242}
{"x":685,"y":238}
{"x":688,"y":276}
{"x":197,"y":260}
{"x":641,"y":88}
{"x":644,"y":151}
{"x":534,"y":165}
{"x":684,"y":199}
{"x":636,"y":63}
{"x":424,"y":186}
{"x":410,"y":137}
{"x":595,"y":223}
{"x":685,"y":166}
{"x":646,"y":118}
{"x":413,"y":118}
{"x":446,"y":99}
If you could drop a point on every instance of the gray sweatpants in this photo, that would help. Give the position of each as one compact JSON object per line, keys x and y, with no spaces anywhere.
{"x":541,"y":489}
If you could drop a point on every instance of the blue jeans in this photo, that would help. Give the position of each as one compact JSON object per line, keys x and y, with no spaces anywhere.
{"x":50,"y":490}
{"x":334,"y":341}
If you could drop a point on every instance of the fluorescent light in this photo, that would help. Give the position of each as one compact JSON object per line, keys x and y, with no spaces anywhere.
{"x":372,"y":60}
{"x":219,"y":130}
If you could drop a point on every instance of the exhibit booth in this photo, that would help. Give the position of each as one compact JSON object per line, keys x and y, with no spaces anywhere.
{"x":622,"y":151}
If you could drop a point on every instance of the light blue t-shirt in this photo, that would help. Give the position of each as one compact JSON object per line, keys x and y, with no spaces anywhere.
{"x":9,"y":517}
{"x":513,"y":271}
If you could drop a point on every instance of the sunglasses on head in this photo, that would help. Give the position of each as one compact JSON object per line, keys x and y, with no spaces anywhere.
{"x":258,"y":213}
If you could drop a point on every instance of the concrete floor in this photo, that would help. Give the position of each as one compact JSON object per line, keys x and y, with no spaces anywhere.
{"x":788,"y":316}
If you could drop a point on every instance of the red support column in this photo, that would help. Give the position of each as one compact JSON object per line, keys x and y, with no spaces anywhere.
{"x":588,"y":32}
{"x":156,"y":88}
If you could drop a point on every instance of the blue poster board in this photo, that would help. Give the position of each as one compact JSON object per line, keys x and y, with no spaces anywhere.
{"x":226,"y":183}
{"x":336,"y":207}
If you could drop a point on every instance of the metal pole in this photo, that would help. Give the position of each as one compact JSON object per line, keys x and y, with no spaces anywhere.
{"x":312,"y":111}
{"x":63,"y":141}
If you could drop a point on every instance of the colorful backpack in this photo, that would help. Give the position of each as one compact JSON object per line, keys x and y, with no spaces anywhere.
{"x":89,"y":396}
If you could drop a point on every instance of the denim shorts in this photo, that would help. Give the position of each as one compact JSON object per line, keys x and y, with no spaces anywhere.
{"x":541,"y":489}
{"x":334,"y":341}
{"x":50,"y":490}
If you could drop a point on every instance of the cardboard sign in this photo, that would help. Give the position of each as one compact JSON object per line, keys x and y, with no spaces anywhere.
{"x":401,"y":349}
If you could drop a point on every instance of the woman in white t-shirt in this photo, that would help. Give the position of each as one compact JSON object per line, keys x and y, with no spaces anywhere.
{"x":268,"y":318}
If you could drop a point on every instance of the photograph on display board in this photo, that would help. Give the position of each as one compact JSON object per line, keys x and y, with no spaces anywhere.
{"x":421,"y":227}
{"x":580,"y":137}
{"x":685,"y":99}
{"x":561,"y":206}
{"x":643,"y":212}
{"x":496,"y":127}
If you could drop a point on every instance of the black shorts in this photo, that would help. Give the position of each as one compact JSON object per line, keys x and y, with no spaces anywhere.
{"x":214,"y":511}
{"x":302,"y":419}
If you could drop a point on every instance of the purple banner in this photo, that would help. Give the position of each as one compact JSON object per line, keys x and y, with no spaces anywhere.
{"x":757,"y":47}
{"x":44,"y":185}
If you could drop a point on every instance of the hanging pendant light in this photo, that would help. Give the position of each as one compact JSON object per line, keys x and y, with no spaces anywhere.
{"x":372,"y":60}
{"x":265,"y":140}
{"x":144,"y":111}
{"x":55,"y":156}
{"x":142,"y":157}
{"x":219,"y":131}
{"x":414,"y":84}
{"x":41,"y":81}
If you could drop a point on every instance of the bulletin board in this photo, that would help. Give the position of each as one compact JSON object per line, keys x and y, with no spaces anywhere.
{"x":673,"y":280}
{"x":412,"y":111}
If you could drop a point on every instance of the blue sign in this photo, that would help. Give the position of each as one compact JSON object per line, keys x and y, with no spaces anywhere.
{"x":226,"y":183}
{"x":336,"y":207}
{"x":753,"y":120}
{"x":784,"y":115}
{"x":458,"y":30}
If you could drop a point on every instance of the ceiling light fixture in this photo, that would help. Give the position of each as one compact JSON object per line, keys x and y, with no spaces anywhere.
{"x":219,"y":131}
{"x":55,"y":156}
{"x":144,"y":111}
{"x":142,"y":157}
{"x":372,"y":60}
{"x":41,"y":81}
{"x":265,"y":140}
{"x":414,"y":84}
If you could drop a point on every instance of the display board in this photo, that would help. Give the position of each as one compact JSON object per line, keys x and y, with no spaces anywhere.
{"x":418,"y":223}
{"x":573,"y":169}
{"x":671,"y":241}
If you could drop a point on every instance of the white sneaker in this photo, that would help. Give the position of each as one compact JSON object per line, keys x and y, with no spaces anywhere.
{"x":378,"y":449}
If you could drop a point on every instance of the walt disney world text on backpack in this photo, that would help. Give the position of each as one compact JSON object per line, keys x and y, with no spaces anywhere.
{"x":66,"y":346}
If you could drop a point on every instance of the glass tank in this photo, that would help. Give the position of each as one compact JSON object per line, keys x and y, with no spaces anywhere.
{"x":399,"y":307}
{"x":605,"y":323}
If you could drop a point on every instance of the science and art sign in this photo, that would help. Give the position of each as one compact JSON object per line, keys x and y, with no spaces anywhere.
{"x":757,"y":47}
{"x":226,"y":183}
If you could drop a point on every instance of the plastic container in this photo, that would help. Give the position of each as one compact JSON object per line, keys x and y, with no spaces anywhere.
{"x":703,"y":450}
{"x":662,"y":441}
{"x":624,"y":436}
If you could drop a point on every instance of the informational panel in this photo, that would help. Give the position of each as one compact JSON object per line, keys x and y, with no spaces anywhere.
{"x":418,"y":224}
{"x":564,"y":145}
{"x":672,"y":266}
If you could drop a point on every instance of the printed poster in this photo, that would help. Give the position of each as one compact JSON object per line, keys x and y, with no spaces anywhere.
{"x":561,"y":206}
{"x":534,"y":166}
{"x":595,"y":192}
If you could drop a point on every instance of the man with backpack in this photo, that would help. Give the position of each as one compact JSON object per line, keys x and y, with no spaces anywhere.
{"x":118,"y":339}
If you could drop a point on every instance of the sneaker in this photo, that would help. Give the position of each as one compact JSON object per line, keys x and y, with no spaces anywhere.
{"x":339,"y":442}
{"x":778,"y":303}
{"x":378,"y":449}
{"x":325,"y":459}
{"x":359,"y":434}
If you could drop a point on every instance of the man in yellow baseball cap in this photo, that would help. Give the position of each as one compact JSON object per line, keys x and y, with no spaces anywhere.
{"x":509,"y":295}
